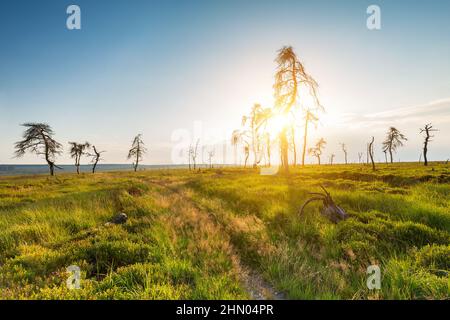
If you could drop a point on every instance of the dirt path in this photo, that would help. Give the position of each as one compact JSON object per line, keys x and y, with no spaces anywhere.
{"x":252,"y":281}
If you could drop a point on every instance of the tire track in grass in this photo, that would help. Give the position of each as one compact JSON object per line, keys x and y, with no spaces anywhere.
{"x":256,"y":287}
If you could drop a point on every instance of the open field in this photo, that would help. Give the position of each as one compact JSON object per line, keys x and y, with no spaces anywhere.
{"x":227,"y":234}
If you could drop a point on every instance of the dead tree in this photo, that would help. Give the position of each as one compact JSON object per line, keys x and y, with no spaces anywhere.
{"x":137,"y":151}
{"x":235,"y":140}
{"x":309,"y":117}
{"x":371,"y":153}
{"x":38,"y":139}
{"x":394,"y":139}
{"x":367,"y":153}
{"x":194,"y":154}
{"x":360,"y":155}
{"x":77,"y":150}
{"x":255,"y":121}
{"x":211,"y":154}
{"x":427,"y":130}
{"x":330,"y":210}
{"x":246,"y":153}
{"x":332,"y":158}
{"x":288,"y":78}
{"x":190,"y":150}
{"x":96,"y":157}
{"x":316,"y":151}
{"x":344,"y":149}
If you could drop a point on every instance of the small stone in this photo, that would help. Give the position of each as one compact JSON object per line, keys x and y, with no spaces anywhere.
{"x":120,"y":218}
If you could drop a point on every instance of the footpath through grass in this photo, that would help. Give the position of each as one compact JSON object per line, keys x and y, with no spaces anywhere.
{"x":203,"y":235}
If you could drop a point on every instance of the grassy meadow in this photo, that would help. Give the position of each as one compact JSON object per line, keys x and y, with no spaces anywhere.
{"x":227,"y":234}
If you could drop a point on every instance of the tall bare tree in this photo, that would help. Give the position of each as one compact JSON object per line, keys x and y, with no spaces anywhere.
{"x":235,"y":140}
{"x":246,"y":153}
{"x":268,"y":144}
{"x":385,"y":155}
{"x":317,"y":150}
{"x":194,"y":154}
{"x":293,"y":144}
{"x":38,"y":139}
{"x":257,"y":118}
{"x":309,"y":117}
{"x":332,"y":158}
{"x":137,"y":151}
{"x":344,"y":149}
{"x":370,"y":149}
{"x":96,"y":157}
{"x":211,"y":154}
{"x":288,"y":78}
{"x":427,"y":130}
{"x":77,"y":150}
{"x":360,"y":155}
{"x":394,"y":139}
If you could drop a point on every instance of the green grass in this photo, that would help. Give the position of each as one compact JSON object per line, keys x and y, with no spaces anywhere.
{"x":192,"y":235}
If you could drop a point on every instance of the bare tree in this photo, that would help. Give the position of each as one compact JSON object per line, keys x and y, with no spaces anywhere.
{"x":268,"y":146}
{"x":190,"y":150}
{"x":77,"y":150}
{"x":194,"y":154}
{"x":385,"y":155}
{"x":288,"y":78}
{"x":211,"y":154}
{"x":96,"y":157}
{"x":371,"y":153}
{"x":360,"y":155}
{"x":235,"y":140}
{"x":294,"y":146}
{"x":332,"y":158}
{"x":393,"y":141}
{"x":246,"y":153}
{"x":137,"y":151}
{"x":427,"y":130}
{"x":344,"y":149}
{"x":38,"y":139}
{"x":256,"y":120}
{"x":317,"y":150}
{"x":309,"y":117}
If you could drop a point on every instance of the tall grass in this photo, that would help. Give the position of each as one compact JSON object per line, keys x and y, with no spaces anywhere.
{"x":191,"y":235}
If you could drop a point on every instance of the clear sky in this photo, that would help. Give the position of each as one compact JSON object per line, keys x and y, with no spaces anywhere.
{"x":158,"y":67}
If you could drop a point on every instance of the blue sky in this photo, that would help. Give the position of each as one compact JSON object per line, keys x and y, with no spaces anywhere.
{"x":159,"y":67}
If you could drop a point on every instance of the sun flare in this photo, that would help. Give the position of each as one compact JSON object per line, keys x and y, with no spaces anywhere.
{"x":277,"y":123}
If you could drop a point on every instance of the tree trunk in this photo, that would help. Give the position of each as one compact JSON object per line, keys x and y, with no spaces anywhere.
{"x":136,"y":164}
{"x":294,"y":147}
{"x":371,"y":153}
{"x":268,"y":153}
{"x":284,"y":151}
{"x":304,"y":141}
{"x":425,"y":148}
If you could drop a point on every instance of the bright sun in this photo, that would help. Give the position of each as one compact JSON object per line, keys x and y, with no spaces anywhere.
{"x":277,"y":123}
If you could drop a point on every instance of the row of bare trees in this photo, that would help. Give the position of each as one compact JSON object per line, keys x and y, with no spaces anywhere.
{"x":290,"y":79}
{"x":193,"y":154}
{"x":38,"y":139}
{"x":394,"y":139}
